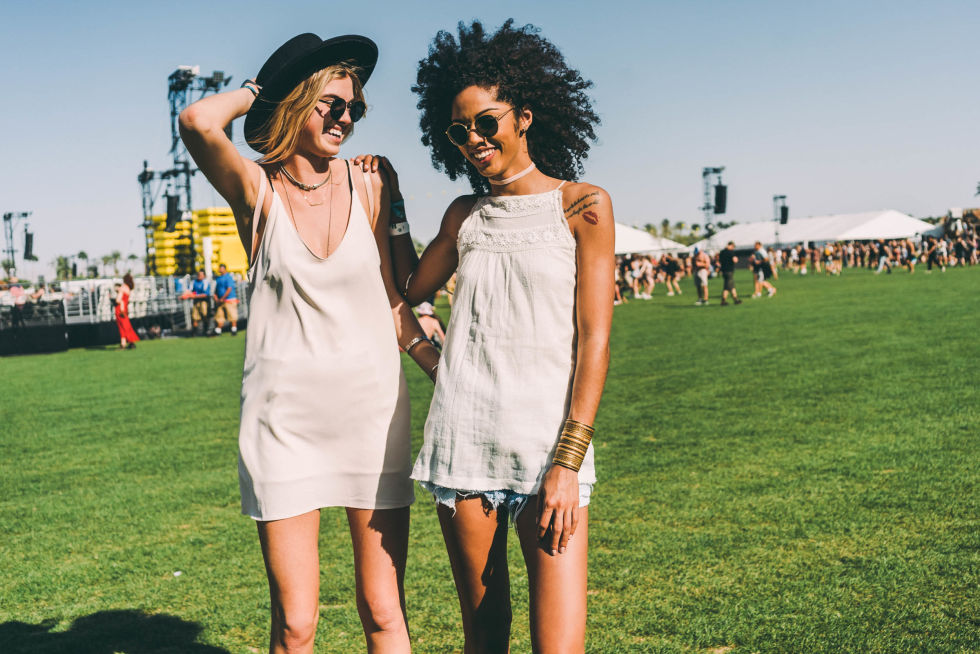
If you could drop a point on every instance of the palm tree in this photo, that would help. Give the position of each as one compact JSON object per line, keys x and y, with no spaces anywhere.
{"x":651,"y":229}
{"x":8,"y":266}
{"x":62,"y":267}
{"x":665,"y":228}
{"x":83,"y":257}
{"x":115,"y":256}
{"x":106,"y":259}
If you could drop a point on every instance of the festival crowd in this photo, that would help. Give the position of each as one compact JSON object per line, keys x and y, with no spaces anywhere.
{"x":638,"y":275}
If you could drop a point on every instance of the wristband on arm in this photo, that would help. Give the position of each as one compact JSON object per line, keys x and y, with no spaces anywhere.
{"x":252,"y":86}
{"x":398,"y":211}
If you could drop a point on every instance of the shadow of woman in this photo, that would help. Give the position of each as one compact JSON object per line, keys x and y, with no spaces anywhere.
{"x":107,"y":632}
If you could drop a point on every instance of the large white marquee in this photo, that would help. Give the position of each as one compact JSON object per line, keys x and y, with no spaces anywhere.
{"x":868,"y":225}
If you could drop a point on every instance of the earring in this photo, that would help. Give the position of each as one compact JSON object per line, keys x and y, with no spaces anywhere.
{"x":522,"y":132}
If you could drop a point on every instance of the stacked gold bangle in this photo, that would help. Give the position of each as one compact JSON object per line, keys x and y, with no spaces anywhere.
{"x":573,"y":444}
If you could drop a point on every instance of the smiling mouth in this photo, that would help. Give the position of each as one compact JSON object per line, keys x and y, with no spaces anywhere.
{"x":482,"y":156}
{"x":336,"y":132}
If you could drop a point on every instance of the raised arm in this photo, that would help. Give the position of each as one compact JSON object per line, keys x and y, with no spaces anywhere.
{"x":404,"y":258}
{"x":202,"y":128}
{"x":408,"y":332}
{"x":418,"y":279}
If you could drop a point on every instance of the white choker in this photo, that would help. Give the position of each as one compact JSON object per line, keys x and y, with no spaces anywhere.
{"x":512,"y":178}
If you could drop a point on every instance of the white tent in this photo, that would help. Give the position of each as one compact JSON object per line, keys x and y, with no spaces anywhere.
{"x":630,"y":240}
{"x":869,"y":225}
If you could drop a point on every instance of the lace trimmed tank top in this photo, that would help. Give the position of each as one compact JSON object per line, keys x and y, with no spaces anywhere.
{"x":505,"y":378}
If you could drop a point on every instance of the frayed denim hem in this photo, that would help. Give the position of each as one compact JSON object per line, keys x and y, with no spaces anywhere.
{"x":511,"y":501}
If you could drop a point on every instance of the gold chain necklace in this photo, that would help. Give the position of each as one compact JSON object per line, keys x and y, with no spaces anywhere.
{"x":292,"y":217}
{"x":307,"y":188}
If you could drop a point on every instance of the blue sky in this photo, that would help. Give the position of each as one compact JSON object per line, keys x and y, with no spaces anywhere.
{"x":841,"y":106}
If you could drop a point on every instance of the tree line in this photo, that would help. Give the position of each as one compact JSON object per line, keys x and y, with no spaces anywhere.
{"x":81,"y":266}
{"x":683,"y":232}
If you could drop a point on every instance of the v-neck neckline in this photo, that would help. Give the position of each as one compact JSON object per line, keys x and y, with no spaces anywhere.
{"x":350,"y":213}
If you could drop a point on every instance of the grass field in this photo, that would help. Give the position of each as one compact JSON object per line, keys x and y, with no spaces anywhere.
{"x":796,"y":474}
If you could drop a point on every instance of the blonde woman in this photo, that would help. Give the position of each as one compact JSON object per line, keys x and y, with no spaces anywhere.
{"x":324,"y":408}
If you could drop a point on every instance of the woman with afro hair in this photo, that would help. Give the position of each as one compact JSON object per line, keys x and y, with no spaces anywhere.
{"x":527,"y":346}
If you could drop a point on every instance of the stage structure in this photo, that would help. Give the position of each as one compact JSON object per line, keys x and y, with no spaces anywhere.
{"x":184,"y":83}
{"x":9,"y":219}
{"x":780,"y":214}
{"x":715,"y":197}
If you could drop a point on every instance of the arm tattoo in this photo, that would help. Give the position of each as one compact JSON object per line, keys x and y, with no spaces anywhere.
{"x":581,"y":204}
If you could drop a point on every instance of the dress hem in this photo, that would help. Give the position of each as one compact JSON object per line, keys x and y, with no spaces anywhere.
{"x":381,"y":506}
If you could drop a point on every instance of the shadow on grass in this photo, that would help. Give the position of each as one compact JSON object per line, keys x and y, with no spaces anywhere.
{"x":107,"y":632}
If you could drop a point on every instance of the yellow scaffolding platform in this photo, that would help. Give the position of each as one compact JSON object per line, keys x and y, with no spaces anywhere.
{"x":180,"y":252}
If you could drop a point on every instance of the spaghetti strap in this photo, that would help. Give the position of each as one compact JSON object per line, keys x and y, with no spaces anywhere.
{"x":368,"y":189}
{"x":259,"y":200}
{"x":563,"y":182}
{"x":258,"y":210}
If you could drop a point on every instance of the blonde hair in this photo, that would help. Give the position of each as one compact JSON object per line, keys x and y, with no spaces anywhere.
{"x":280,"y":134}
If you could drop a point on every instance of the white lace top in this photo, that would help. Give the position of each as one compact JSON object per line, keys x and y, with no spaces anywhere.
{"x":505,"y":377}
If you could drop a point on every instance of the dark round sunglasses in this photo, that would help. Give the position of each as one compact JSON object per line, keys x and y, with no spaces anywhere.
{"x":338,"y":106}
{"x":485,"y":126}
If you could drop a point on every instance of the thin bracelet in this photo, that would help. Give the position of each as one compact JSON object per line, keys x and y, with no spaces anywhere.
{"x":251,"y":85}
{"x":415,"y":341}
{"x":433,"y":368}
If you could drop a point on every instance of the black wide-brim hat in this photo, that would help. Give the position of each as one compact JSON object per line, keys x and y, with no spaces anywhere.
{"x":297,"y":59}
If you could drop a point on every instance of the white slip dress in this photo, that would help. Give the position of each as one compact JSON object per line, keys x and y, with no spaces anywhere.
{"x":505,"y":377}
{"x":324,"y":405}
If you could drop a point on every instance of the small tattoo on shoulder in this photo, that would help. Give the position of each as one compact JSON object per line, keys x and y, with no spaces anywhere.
{"x":581,"y":204}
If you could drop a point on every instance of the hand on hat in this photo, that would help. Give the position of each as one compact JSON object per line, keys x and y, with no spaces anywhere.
{"x":252,"y":86}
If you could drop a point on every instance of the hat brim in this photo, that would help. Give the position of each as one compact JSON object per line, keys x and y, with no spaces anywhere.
{"x":359,"y":51}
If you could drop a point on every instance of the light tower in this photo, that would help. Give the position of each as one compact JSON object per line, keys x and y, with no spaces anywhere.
{"x":9,"y":219}
{"x":716,"y":203}
{"x":183,"y":83}
{"x":780,"y":214}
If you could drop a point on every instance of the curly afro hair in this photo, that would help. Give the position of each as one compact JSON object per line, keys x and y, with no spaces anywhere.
{"x":527,"y":71}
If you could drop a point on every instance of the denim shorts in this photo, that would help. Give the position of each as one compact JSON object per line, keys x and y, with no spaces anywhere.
{"x":506,"y":500}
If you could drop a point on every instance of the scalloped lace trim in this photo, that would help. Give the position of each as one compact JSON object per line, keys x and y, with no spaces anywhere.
{"x":516,"y":205}
{"x":509,"y":240}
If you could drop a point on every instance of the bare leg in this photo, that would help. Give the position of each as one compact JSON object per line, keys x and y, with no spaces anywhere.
{"x":476,"y":540}
{"x":556,"y":585}
{"x":292,"y":563}
{"x":380,"y":539}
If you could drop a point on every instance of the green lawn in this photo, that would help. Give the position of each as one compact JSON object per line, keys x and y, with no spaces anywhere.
{"x":796,"y":474}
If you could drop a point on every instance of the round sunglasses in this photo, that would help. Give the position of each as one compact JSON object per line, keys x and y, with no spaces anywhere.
{"x":338,"y":106}
{"x":485,"y":126}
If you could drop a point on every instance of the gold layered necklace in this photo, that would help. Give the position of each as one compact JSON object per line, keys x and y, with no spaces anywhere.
{"x":308,"y":188}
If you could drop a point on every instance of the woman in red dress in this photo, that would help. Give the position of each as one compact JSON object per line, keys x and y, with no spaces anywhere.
{"x":127,"y":337}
